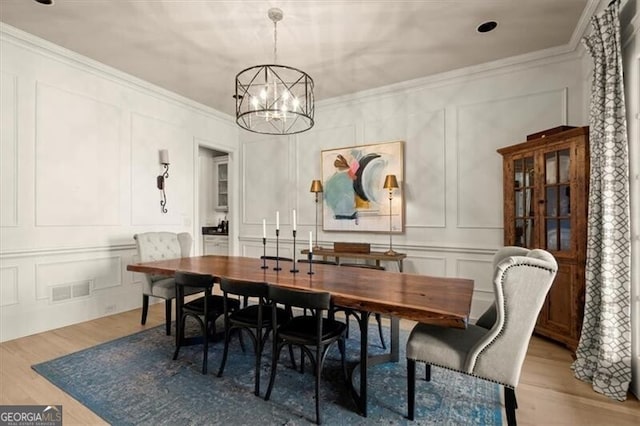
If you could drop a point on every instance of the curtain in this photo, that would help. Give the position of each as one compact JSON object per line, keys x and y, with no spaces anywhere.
{"x":603,"y":356}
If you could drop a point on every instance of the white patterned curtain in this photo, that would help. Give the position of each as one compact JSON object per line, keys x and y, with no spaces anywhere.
{"x":604,"y":352}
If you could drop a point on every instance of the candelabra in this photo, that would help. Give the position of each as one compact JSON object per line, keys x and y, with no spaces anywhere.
{"x":277,"y":268}
{"x":310,"y":258}
{"x":264,"y":253}
{"x":294,"y":269}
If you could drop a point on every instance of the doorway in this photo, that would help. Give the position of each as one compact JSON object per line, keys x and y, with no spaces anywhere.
{"x":213,"y":201}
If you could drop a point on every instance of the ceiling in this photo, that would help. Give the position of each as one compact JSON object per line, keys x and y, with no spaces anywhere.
{"x":196,"y":47}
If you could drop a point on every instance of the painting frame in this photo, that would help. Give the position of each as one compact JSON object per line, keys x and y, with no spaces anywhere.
{"x":354,"y":199}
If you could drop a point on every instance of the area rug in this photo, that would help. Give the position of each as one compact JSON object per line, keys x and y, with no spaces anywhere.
{"x":134,"y":381}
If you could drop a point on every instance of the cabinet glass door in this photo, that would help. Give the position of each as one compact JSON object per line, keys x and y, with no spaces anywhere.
{"x":557,"y":198}
{"x":523,"y":186}
{"x":223,"y":201}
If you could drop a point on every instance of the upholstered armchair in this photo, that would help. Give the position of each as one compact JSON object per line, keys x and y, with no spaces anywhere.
{"x":488,"y":318}
{"x":521,"y":283}
{"x":158,"y":246}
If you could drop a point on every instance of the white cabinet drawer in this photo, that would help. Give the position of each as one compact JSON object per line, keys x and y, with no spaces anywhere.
{"x":216,"y":244}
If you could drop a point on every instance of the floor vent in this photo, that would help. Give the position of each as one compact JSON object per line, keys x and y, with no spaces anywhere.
{"x":62,"y":293}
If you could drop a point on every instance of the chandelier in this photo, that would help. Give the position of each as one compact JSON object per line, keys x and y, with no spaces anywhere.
{"x":274,"y":99}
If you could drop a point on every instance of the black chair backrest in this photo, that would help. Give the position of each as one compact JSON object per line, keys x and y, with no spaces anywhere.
{"x":190,"y":279}
{"x":363,"y":265}
{"x":244,"y":288}
{"x":300,"y":298}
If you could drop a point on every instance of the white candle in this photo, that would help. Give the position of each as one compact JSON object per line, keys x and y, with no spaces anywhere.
{"x":310,"y":241}
{"x":264,"y":228}
{"x":277,"y":221}
{"x":164,"y":156}
{"x":294,"y":219}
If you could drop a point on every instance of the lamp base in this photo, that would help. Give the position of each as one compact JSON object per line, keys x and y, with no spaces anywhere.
{"x":390,"y":252}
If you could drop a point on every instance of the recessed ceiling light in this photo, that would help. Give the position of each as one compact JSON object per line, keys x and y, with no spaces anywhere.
{"x":485,"y":27}
{"x":45,"y":2}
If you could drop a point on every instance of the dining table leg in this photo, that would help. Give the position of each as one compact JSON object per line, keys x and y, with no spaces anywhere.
{"x":366,"y":361}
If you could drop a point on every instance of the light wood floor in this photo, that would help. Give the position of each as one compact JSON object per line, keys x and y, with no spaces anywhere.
{"x":548,"y":393}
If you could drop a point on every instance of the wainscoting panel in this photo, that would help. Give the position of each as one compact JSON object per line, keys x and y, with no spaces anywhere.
{"x":484,"y":127}
{"x":77,"y":159}
{"x":425,"y":164}
{"x":480,"y":270}
{"x":148,"y":136}
{"x":103,"y":273}
{"x":267,"y":183}
{"x":8,"y":150}
{"x":309,"y":166}
{"x":390,"y":127}
{"x":425,"y":265}
{"x":9,"y":286}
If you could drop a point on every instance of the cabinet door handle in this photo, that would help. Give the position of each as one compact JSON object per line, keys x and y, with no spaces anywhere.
{"x":540,"y":201}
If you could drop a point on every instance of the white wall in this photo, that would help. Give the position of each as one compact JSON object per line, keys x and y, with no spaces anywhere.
{"x":453,"y":174}
{"x":79,"y":152}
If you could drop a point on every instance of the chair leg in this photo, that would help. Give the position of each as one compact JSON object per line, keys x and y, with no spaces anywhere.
{"x":167,"y":309}
{"x":343,"y":353}
{"x":411,"y":388}
{"x":510,"y":405}
{"x":292,"y":358}
{"x":318,"y":366}
{"x":227,"y":338}
{"x":205,"y":342}
{"x":346,"y":320}
{"x":427,"y":372}
{"x":258,"y":351}
{"x":179,"y":335}
{"x":275,"y":355}
{"x":145,"y":308}
{"x":379,"y":319}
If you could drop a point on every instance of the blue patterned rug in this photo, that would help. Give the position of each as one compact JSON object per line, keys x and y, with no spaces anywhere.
{"x":133,"y":380}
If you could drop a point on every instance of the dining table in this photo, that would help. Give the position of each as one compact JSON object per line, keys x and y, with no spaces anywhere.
{"x":444,"y":301}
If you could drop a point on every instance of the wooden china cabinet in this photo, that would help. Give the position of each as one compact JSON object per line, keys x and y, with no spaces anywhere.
{"x":545,"y":206}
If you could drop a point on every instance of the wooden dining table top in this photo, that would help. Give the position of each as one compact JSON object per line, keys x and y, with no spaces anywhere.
{"x":437,"y":300}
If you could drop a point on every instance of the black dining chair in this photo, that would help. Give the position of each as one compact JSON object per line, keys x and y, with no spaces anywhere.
{"x":205,"y":310}
{"x":349,"y":312}
{"x":254,"y":319}
{"x":305,"y":331}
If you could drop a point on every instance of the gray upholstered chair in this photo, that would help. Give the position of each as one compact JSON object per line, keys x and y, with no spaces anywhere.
{"x":521,"y":284}
{"x":159,"y":246}
{"x":488,"y":318}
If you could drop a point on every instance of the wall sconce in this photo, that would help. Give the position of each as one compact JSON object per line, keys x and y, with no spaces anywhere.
{"x":164,"y":160}
{"x":390,"y":183}
{"x":316,"y":187}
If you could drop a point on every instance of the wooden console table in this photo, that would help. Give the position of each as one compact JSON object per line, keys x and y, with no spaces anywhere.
{"x":374,"y":255}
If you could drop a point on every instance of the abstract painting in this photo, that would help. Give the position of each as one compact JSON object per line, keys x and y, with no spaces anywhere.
{"x":354,"y":197}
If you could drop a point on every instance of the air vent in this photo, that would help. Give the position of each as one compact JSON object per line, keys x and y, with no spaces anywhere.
{"x":65,"y":292}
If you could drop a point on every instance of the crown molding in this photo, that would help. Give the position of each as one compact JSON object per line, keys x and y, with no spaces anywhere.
{"x":61,"y":54}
